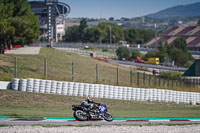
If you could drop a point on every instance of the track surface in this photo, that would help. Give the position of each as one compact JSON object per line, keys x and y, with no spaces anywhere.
{"x":149,"y":65}
{"x":117,"y":121}
{"x":24,"y":51}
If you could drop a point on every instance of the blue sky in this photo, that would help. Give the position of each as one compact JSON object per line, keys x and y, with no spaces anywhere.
{"x":120,"y":8}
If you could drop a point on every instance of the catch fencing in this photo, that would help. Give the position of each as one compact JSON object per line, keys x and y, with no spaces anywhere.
{"x":104,"y":91}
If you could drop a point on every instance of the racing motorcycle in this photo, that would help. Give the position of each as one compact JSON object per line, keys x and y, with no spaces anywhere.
{"x":98,"y":112}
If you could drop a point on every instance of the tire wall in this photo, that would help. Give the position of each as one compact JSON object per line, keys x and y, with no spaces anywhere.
{"x":104,"y":91}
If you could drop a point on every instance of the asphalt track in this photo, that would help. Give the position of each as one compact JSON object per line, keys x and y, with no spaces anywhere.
{"x":149,"y":65}
{"x":4,"y":120}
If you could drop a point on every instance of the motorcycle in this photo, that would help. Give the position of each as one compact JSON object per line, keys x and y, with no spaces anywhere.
{"x":98,"y":112}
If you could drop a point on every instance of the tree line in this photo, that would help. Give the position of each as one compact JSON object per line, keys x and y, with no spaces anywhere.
{"x":176,"y":51}
{"x":18,"y":25}
{"x":105,"y":32}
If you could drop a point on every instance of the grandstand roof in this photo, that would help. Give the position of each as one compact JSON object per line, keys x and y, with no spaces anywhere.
{"x":39,"y":8}
{"x":191,"y":34}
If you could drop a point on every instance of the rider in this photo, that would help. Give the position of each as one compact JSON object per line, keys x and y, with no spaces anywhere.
{"x":88,"y":103}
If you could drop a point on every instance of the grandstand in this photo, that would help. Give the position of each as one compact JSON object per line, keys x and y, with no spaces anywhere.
{"x":191,"y":34}
{"x":59,"y":11}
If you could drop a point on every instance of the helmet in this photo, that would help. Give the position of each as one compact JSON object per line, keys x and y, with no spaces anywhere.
{"x":88,"y":98}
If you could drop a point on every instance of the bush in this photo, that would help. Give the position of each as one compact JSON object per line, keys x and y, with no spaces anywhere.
{"x":134,"y":54}
{"x":170,"y":75}
{"x":180,"y":57}
{"x":104,"y":50}
{"x":123,"y":52}
{"x":150,"y":54}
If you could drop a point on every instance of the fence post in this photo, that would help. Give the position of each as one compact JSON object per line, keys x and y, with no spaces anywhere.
{"x":164,"y":82}
{"x":154,"y":80}
{"x":159,"y":81}
{"x":149,"y":80}
{"x":131,"y":77}
{"x":117,"y":75}
{"x":184,"y":86}
{"x":97,"y":73}
{"x":196,"y":83}
{"x":73,"y":66}
{"x":168,"y":82}
{"x":144,"y":77}
{"x":45,"y":67}
{"x":138,"y":79}
{"x":15,"y":67}
{"x":193,"y":83}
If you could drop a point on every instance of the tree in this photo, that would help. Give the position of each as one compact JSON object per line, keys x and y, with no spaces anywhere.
{"x":106,"y":31}
{"x":198,"y":23}
{"x":179,"y":43}
{"x":18,"y":24}
{"x":178,"y":52}
{"x":123,"y":52}
{"x":146,"y":35}
{"x":150,"y":54}
{"x":115,"y":30}
{"x":83,"y":25}
{"x":92,"y":34}
{"x":179,"y":56}
{"x":132,"y":35}
{"x":162,"y":52}
{"x":134,"y":54}
{"x":72,"y":34}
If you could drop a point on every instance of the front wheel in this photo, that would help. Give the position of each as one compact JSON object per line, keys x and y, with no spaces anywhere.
{"x":80,"y":115}
{"x":107,"y":116}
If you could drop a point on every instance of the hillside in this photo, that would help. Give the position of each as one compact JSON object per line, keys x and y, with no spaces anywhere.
{"x":59,"y":67}
{"x":190,"y":10}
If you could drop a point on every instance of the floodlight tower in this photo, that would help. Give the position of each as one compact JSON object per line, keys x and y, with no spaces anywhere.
{"x":51,"y":24}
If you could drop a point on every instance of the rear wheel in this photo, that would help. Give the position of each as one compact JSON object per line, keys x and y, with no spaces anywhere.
{"x":107,"y":116}
{"x":80,"y":115}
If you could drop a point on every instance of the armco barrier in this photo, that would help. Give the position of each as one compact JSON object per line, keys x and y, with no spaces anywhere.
{"x":103,"y":91}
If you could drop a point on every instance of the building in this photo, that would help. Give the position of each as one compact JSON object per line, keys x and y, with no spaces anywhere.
{"x":191,"y":34}
{"x":51,"y":14}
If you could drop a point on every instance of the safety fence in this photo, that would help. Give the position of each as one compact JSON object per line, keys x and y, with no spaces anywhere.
{"x":87,"y":52}
{"x":104,"y":91}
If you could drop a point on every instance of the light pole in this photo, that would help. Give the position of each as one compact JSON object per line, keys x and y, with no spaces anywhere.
{"x":114,"y":39}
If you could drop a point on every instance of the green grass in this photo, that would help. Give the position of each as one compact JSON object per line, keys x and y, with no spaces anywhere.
{"x":4,"y":125}
{"x":59,"y":67}
{"x":14,"y":103}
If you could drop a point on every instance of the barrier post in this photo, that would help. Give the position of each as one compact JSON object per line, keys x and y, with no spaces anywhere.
{"x":138,"y":79}
{"x":73,"y":75}
{"x":144,"y":77}
{"x":149,"y":80}
{"x":45,"y":67}
{"x":131,"y":77}
{"x":15,"y":66}
{"x":117,"y":75}
{"x":97,"y":73}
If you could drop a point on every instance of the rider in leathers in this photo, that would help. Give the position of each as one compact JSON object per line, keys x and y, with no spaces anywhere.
{"x":88,"y":103}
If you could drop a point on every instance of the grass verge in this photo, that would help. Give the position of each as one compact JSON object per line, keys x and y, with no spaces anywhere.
{"x":45,"y":105}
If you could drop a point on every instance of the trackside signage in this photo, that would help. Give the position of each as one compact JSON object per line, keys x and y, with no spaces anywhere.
{"x":60,"y":28}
